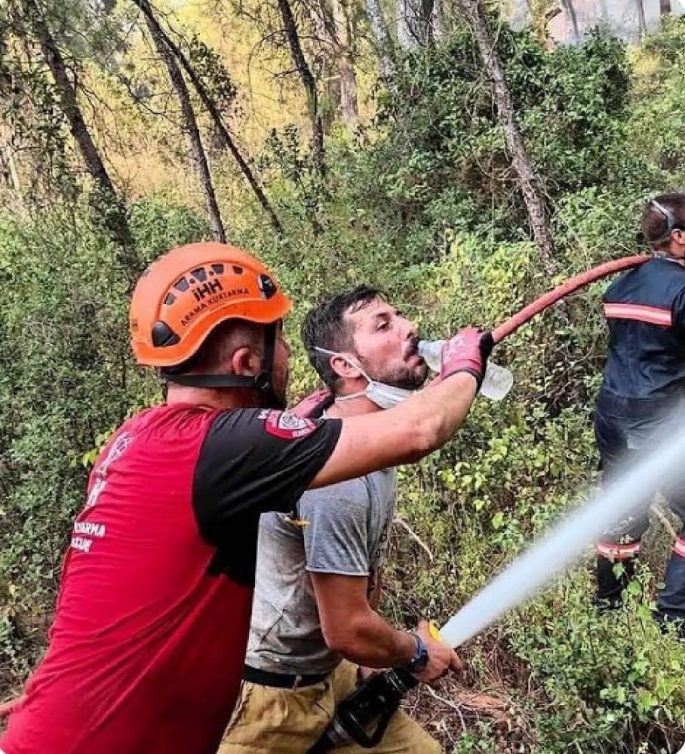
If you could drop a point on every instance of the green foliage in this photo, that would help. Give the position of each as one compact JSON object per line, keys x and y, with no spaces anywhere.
{"x":66,"y":376}
{"x":29,"y":104}
{"x":444,"y":156}
{"x":656,"y":130}
{"x":613,"y":681}
{"x":213,"y":73}
{"x":574,"y":113}
{"x":480,"y":741}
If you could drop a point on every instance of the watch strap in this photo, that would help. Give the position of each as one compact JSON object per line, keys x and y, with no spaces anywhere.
{"x":420,"y":658}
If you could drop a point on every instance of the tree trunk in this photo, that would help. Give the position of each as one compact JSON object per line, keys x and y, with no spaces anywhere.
{"x":192,"y":133}
{"x":642,"y":21}
{"x":528,"y":180}
{"x":308,"y":82}
{"x":213,"y":110}
{"x":665,"y":8}
{"x":382,"y":38}
{"x":334,"y":27}
{"x":348,"y":75}
{"x":108,"y":204}
{"x":348,"y":94}
{"x":321,"y":16}
{"x":571,"y":13}
{"x":437,"y":22}
{"x":7,"y":158}
{"x":414,"y":23}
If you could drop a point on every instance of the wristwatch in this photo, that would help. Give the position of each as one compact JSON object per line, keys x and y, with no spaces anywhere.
{"x":420,"y":659}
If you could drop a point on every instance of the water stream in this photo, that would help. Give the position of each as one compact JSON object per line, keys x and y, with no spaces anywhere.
{"x":631,"y":492}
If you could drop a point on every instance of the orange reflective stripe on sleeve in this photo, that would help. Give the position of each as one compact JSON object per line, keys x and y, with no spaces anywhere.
{"x":612,"y":551}
{"x":654,"y":315}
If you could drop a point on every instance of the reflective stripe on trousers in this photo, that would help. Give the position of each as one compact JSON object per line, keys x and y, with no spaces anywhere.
{"x":615,"y":552}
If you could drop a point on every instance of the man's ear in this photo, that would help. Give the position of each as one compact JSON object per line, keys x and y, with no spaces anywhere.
{"x":246,"y":361}
{"x":344,"y":367}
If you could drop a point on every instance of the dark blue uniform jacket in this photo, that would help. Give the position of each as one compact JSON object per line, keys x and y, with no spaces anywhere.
{"x":645,"y":309}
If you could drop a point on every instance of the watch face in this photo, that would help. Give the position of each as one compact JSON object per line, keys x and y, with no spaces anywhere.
{"x":422,"y":660}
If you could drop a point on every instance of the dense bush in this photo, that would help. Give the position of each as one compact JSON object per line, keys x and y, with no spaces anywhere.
{"x":66,"y":379}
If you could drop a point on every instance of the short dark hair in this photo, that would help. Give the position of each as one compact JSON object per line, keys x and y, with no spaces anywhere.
{"x":656,"y":226}
{"x":324,"y":326}
{"x":221,"y":341}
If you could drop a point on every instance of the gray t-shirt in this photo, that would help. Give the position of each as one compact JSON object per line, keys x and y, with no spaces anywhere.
{"x":347,"y":534}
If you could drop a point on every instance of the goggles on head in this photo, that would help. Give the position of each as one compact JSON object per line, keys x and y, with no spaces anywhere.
{"x":672,"y":223}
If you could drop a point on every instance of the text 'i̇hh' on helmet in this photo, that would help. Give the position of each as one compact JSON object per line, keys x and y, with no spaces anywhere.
{"x":185,"y":294}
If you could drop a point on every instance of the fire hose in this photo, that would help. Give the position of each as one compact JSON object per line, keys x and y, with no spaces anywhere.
{"x":376,"y":700}
{"x":573,"y":284}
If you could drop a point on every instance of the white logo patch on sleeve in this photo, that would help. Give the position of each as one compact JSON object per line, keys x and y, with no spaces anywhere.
{"x":288,"y":426}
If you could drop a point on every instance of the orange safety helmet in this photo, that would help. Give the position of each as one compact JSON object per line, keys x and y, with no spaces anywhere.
{"x":186,"y":293}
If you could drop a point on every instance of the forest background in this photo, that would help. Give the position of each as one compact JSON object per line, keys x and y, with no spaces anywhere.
{"x":430,"y":149}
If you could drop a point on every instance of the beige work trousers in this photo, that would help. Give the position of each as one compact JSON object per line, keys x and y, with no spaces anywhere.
{"x":269,"y":720}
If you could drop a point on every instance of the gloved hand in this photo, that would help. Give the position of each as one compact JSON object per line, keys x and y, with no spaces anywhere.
{"x":467,"y":351}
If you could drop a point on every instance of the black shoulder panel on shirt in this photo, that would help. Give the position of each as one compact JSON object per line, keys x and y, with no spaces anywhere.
{"x":253,"y":461}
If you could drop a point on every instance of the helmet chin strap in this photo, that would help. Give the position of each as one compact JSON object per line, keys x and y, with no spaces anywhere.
{"x":262,"y":381}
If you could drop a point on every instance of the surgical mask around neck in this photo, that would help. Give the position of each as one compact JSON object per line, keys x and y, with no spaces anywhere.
{"x":384,"y":396}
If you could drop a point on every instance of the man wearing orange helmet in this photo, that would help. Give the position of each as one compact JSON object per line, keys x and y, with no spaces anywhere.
{"x":151,"y":624}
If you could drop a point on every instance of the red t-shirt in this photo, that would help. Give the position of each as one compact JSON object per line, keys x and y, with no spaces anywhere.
{"x":151,"y":624}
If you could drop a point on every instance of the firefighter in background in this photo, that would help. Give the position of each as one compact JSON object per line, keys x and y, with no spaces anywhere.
{"x":643,"y":387}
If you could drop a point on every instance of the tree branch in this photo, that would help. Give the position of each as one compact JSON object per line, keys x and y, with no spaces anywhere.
{"x":213,"y":111}
{"x":192,"y":133}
